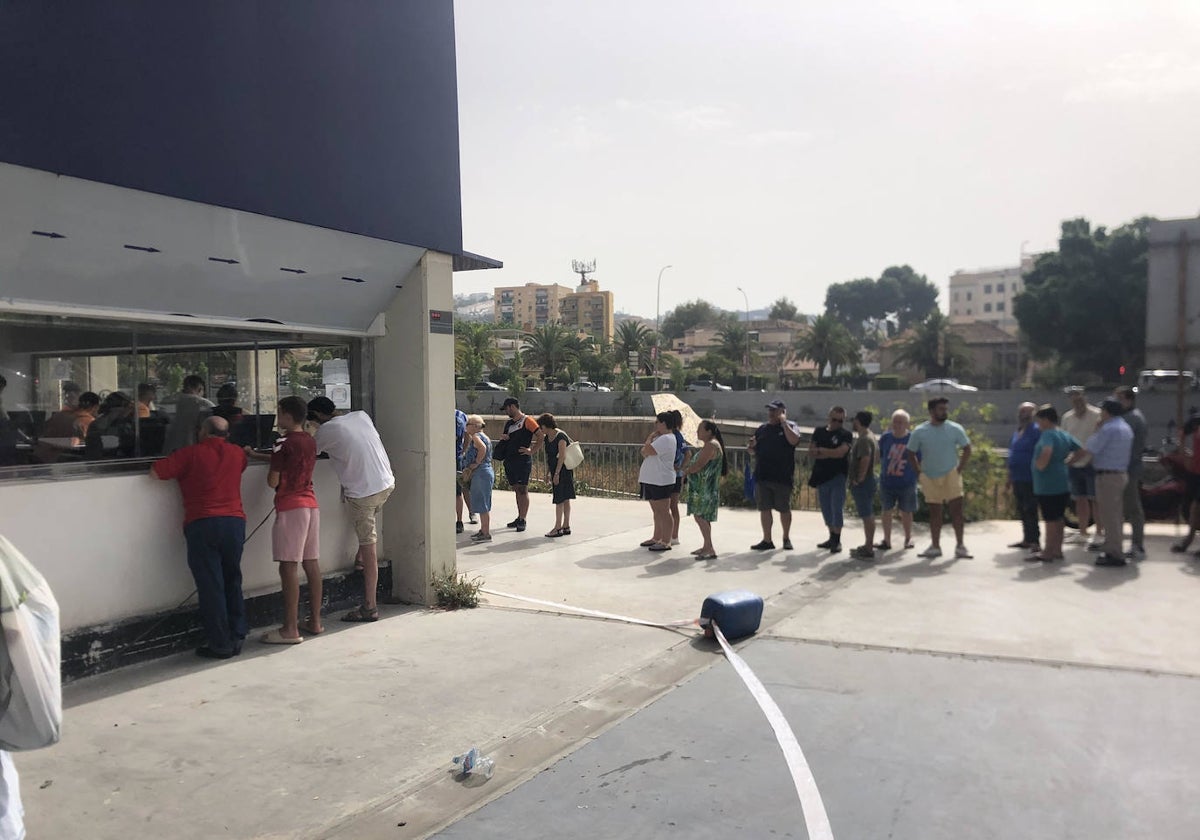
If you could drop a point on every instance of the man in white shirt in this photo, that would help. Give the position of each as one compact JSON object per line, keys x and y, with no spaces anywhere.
{"x":1080,"y":423}
{"x":362,"y":465}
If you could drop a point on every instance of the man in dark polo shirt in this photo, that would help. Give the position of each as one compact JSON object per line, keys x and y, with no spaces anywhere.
{"x":828,"y":449}
{"x":522,"y":436}
{"x":774,"y":450}
{"x":214,"y":525}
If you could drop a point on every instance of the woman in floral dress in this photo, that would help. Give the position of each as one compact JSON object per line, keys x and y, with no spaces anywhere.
{"x":703,"y":486}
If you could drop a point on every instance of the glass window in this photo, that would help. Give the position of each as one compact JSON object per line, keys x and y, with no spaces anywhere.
{"x":987,"y":307}
{"x":1000,"y":306}
{"x":987,"y":288}
{"x":968,"y":295}
{"x":92,"y":393}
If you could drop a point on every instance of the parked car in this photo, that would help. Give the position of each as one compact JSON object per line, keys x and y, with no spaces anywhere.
{"x":1166,"y":380}
{"x":585,"y":385}
{"x":487,"y":385}
{"x":941,"y":386}
{"x":707,"y":385}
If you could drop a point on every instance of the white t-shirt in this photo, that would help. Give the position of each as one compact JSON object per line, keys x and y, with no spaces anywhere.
{"x":357,"y":453}
{"x":1081,"y":428}
{"x":659,"y":469}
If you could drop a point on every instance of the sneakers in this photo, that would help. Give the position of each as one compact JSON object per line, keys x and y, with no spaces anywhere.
{"x":1075,"y":539}
{"x":787,"y":544}
{"x":479,"y":536}
{"x":828,"y":543}
{"x":520,"y":525}
{"x":1096,"y":544}
{"x":515,"y":523}
{"x":765,"y":545}
{"x":1136,"y":554}
{"x":458,"y":527}
{"x":883,"y":545}
{"x":961,"y":552}
{"x":835,"y":547}
{"x":1110,"y":560}
{"x":932,"y":551}
{"x":864,"y":552}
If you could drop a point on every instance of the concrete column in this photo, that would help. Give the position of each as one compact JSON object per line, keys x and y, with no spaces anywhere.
{"x":414,"y":402}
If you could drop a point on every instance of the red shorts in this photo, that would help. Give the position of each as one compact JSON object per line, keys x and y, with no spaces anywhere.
{"x":296,"y":535}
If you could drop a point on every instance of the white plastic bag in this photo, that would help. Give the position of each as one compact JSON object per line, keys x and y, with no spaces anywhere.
{"x":30,"y":677}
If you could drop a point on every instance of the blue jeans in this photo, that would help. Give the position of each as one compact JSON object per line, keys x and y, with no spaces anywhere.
{"x":832,"y":494}
{"x":214,"y":548}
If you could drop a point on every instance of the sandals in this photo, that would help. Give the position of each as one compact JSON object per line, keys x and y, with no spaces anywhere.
{"x":1042,"y":558}
{"x":274,"y":637}
{"x":648,"y":543}
{"x":360,"y":614}
{"x":705,"y":556}
{"x":560,"y":532}
{"x":306,"y":629}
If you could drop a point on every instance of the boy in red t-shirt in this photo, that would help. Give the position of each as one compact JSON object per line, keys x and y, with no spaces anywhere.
{"x":295,"y":537}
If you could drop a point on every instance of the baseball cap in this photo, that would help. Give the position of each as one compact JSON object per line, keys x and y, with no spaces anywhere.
{"x":510,"y":401}
{"x":321,"y":405}
{"x":779,"y":404}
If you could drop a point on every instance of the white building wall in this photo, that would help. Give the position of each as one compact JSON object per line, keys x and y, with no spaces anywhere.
{"x":112,"y":547}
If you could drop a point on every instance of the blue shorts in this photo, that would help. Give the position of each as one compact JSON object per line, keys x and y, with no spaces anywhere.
{"x":904,"y":497}
{"x":1082,"y":481}
{"x":864,"y":497}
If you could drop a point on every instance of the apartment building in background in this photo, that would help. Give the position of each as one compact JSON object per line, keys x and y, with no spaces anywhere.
{"x":589,"y":310}
{"x":530,"y":306}
{"x":986,"y":295}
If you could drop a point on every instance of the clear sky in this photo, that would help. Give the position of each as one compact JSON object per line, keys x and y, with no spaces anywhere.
{"x":783,"y":146}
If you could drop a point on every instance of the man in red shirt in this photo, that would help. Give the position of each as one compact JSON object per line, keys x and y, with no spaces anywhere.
{"x":214,"y":525}
{"x":296,"y":535}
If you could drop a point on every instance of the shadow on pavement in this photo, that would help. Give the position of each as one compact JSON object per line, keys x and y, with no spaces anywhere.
{"x":902,"y":575}
{"x":1103,"y":578}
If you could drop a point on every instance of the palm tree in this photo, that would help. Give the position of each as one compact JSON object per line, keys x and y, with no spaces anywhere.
{"x":931,"y":346}
{"x":474,"y":350}
{"x":549,"y":346}
{"x":633,"y":340}
{"x":734,"y":345}
{"x":828,"y":342}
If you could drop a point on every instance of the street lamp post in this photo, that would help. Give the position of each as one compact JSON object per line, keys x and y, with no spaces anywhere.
{"x":658,"y":323}
{"x":747,"y":299}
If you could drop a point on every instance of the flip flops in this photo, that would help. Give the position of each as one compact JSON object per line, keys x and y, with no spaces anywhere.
{"x":360,"y":614}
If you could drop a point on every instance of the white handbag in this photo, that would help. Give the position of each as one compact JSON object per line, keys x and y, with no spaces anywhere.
{"x":573,"y":457}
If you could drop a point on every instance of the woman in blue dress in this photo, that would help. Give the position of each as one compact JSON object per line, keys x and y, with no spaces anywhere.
{"x":479,"y":473}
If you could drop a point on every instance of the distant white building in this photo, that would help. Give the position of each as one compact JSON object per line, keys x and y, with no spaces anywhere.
{"x":986,"y":295}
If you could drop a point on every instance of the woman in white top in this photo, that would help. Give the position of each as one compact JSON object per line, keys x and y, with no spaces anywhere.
{"x":657,"y":479}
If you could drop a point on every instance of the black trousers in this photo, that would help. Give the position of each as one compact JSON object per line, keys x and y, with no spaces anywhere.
{"x":1027,"y":509}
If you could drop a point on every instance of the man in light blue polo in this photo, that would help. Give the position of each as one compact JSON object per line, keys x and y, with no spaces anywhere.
{"x":1110,"y":448}
{"x":937,"y":452}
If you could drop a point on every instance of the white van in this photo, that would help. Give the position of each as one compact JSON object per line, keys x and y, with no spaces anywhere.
{"x":1165,"y":380}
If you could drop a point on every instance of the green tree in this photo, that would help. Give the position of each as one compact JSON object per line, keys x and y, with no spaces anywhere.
{"x":475,"y":350}
{"x":855,"y":304}
{"x":678,"y":374}
{"x":828,"y":342}
{"x":1095,"y":272}
{"x":915,"y":297}
{"x":734,"y":346}
{"x":931,"y":346}
{"x":873,"y":308}
{"x":691,"y":314}
{"x":632,"y":340}
{"x":549,"y":347}
{"x":713,"y":365}
{"x":783,"y":310}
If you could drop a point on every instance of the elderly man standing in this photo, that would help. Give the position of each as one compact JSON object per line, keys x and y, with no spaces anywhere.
{"x":365,"y":472}
{"x":1132,"y":502}
{"x":1109,"y":447}
{"x":774,"y":449}
{"x":1080,"y":422}
{"x":1021,"y":450}
{"x":214,"y":525}
{"x":938,"y":450}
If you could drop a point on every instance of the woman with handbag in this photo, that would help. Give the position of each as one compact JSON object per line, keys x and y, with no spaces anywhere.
{"x":562,"y":480}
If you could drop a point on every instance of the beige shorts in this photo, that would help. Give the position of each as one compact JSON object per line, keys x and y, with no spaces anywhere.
{"x":364,"y":511}
{"x":944,"y":488}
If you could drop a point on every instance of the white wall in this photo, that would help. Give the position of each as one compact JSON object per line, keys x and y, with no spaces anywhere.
{"x":112,"y":546}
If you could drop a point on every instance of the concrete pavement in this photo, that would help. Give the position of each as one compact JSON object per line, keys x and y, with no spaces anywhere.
{"x":350,"y":734}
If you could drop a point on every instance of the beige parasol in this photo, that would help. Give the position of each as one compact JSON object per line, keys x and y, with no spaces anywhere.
{"x":691,"y":420}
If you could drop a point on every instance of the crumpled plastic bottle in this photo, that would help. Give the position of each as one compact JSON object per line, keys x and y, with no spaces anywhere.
{"x":472,"y":763}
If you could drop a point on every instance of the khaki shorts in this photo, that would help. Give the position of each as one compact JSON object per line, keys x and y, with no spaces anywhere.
{"x":944,"y":488}
{"x":364,"y":511}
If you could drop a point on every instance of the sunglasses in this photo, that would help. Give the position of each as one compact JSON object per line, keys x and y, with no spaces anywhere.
{"x":837,"y":419}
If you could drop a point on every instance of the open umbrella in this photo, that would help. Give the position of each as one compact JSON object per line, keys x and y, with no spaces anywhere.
{"x":691,"y":420}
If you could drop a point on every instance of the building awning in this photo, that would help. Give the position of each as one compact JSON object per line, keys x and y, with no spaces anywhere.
{"x":68,"y":243}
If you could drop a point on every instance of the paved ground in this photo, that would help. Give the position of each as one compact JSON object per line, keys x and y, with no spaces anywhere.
{"x":978,"y":698}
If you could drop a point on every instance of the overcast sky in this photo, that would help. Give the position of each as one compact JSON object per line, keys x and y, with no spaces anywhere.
{"x":783,"y":146}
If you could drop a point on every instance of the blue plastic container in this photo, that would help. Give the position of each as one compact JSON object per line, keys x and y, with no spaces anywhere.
{"x":738,"y":613}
